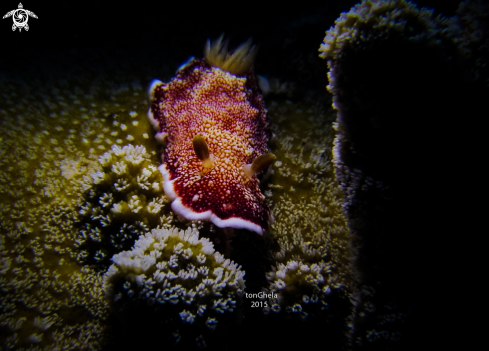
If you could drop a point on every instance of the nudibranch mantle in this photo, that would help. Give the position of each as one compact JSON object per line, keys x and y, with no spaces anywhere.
{"x":227,"y":112}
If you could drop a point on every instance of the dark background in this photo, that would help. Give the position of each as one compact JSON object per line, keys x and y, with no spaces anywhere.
{"x":146,"y":33}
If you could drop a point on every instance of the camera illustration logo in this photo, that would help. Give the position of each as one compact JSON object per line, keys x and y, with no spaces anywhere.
{"x":20,"y":17}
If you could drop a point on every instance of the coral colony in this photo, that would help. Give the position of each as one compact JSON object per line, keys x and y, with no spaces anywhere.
{"x":110,"y":237}
{"x":113,"y":220}
{"x":91,"y":251}
{"x":170,"y":267}
{"x":400,"y":79}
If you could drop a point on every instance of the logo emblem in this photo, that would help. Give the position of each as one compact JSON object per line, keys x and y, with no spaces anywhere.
{"x":20,"y":17}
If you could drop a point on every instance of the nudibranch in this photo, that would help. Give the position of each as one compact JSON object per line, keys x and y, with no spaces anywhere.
{"x":212,"y":118}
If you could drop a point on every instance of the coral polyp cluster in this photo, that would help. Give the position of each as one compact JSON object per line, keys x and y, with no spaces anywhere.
{"x":298,"y":284}
{"x":401,"y":79}
{"x":121,"y":199}
{"x":48,"y":299}
{"x":179,"y":277}
{"x":312,"y":264}
{"x":377,"y":21}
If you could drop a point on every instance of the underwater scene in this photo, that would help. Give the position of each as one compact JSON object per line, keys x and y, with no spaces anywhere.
{"x":237,"y":177}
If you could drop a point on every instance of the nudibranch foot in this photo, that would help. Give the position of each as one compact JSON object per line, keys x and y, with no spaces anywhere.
{"x":212,"y":118}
